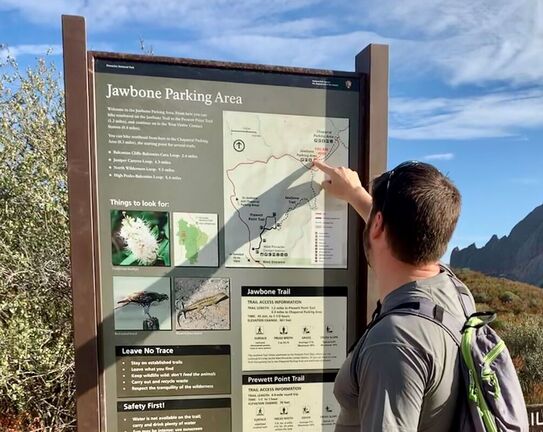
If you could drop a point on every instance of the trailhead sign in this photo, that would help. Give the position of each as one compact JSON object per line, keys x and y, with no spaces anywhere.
{"x":207,"y":196}
{"x":218,"y":287}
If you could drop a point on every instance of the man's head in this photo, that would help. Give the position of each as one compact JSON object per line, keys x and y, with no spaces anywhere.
{"x":414,"y":213}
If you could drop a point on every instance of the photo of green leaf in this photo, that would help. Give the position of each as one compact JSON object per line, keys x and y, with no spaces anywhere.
{"x":140,"y":238}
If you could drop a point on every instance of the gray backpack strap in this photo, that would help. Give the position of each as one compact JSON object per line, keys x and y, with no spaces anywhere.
{"x":462,"y":291}
{"x":427,"y":309}
{"x":421,"y":307}
{"x":424,"y":308}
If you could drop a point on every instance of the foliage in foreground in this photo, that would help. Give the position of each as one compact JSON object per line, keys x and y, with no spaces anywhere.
{"x":36,"y":355}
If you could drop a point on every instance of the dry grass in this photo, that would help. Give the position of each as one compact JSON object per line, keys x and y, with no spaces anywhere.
{"x":502,"y":295}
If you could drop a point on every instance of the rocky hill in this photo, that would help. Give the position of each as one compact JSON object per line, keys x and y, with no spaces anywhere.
{"x":517,"y":256}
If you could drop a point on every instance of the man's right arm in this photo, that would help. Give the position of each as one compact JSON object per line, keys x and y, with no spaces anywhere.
{"x":392,"y":378}
{"x":344,"y":183}
{"x":361,"y":202}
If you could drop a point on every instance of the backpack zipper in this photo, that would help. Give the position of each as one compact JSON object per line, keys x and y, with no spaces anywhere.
{"x":487,"y":374}
{"x":493,"y":353}
{"x":485,"y":413}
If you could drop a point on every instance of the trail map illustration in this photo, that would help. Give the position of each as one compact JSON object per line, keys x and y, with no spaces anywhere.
{"x":276,"y":214}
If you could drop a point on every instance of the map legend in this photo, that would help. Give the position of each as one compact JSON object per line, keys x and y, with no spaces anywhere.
{"x":328,"y":237}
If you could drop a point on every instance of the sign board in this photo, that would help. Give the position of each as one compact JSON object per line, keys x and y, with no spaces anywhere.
{"x":535,"y":417}
{"x":216,"y":286}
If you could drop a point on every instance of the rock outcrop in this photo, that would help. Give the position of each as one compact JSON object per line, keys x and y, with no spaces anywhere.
{"x":518,"y":256}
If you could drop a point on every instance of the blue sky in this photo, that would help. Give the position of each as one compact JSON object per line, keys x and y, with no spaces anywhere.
{"x":466,"y":77}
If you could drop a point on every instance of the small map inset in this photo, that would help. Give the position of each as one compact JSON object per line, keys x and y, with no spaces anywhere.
{"x":195,"y":240}
{"x":276,"y":214}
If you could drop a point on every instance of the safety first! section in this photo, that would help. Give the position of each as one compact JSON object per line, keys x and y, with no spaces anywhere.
{"x":289,"y":402}
{"x":190,"y":415}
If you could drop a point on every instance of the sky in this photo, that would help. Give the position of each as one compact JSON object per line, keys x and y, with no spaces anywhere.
{"x":466,"y":90}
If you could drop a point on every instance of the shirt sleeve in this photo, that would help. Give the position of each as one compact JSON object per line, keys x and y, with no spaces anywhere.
{"x":392,"y":381}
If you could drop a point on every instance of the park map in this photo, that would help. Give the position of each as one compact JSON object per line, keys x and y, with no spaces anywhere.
{"x":276,"y":214}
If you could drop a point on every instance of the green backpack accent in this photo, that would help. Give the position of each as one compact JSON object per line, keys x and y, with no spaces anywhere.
{"x":494,"y":396}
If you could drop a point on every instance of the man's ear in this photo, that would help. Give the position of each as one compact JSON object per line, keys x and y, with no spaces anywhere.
{"x":377,"y":226}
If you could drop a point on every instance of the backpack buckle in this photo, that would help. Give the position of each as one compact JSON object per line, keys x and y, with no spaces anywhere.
{"x":479,"y":319}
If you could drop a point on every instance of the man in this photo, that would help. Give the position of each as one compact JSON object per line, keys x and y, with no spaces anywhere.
{"x":407,"y":368}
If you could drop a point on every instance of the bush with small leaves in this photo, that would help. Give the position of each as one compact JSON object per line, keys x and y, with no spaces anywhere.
{"x":508,"y":297}
{"x":481,"y":297}
{"x":525,"y":343}
{"x":498,"y":324}
{"x":36,"y":355}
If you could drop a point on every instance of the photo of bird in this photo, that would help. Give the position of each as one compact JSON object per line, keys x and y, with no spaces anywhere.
{"x":145,"y":299}
{"x":148,"y":293}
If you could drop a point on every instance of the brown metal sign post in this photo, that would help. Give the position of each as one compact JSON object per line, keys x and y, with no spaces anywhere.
{"x":171,"y":261}
{"x":82,"y":224}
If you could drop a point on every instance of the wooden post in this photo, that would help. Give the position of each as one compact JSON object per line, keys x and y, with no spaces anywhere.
{"x":80,"y":195}
{"x":372,"y":61}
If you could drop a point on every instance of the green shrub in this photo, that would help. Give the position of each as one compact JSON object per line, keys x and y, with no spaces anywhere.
{"x":535,"y":303}
{"x":498,"y":324}
{"x":508,"y":297}
{"x":36,"y":355}
{"x":481,"y":297}
{"x":525,"y":343}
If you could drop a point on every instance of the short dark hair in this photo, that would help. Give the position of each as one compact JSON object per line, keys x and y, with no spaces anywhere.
{"x":420,"y":208}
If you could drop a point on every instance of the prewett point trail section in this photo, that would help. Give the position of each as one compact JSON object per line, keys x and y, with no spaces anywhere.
{"x":276,"y":214}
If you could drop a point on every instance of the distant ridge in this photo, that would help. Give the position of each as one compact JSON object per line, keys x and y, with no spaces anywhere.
{"x":518,"y":256}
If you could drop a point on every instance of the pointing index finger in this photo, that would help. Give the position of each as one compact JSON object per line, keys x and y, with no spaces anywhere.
{"x":323,"y":166}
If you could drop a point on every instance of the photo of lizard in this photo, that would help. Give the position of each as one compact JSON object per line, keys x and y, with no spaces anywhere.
{"x":202,"y":303}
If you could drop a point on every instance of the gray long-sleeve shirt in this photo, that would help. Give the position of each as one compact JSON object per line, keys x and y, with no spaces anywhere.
{"x":408,"y":368}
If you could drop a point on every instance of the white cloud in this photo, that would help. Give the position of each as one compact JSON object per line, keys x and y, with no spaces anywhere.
{"x":471,"y":42}
{"x":334,"y":52}
{"x":439,"y":156}
{"x":209,"y":16}
{"x":303,"y":27}
{"x":500,"y":114}
{"x":30,"y":49}
{"x":460,"y":41}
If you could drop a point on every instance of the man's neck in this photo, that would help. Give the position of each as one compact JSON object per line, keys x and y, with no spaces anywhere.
{"x":398,"y":273}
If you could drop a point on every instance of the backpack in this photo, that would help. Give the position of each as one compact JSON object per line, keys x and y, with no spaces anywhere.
{"x":493,"y":399}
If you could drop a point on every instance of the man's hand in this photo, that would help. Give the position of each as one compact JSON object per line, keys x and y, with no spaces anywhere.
{"x":344,"y":183}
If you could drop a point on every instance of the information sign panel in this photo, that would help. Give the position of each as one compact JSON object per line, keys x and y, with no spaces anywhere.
{"x":217,"y":287}
{"x":219,"y":252}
